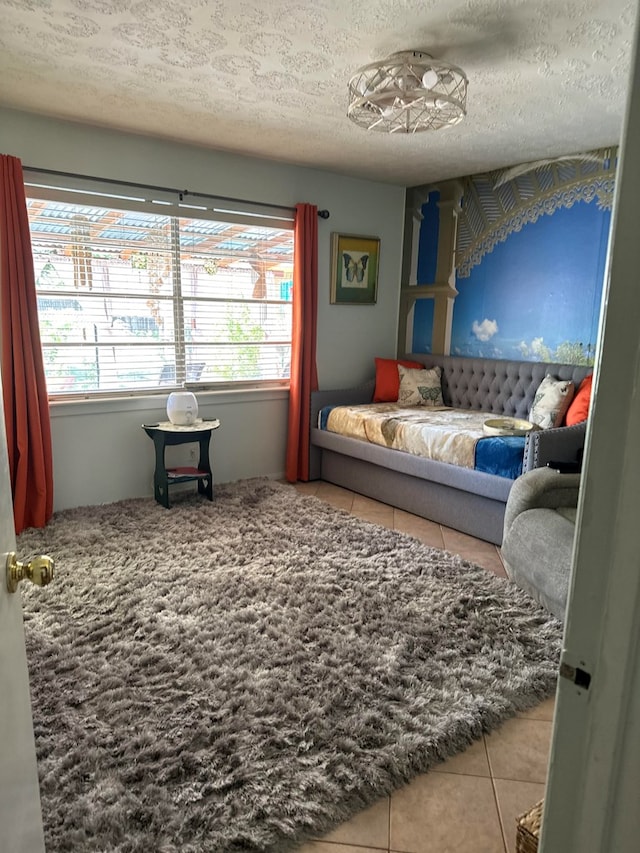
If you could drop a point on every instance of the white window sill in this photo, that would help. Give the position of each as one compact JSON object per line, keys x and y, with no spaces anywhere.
{"x":153,"y":402}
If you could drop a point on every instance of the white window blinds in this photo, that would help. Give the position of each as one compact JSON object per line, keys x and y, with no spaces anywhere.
{"x":137,"y":291}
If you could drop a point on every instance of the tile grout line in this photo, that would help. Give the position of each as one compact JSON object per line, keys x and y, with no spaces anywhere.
{"x":499,"y":814}
{"x":495,"y":797}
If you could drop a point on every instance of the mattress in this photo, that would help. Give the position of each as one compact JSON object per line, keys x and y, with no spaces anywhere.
{"x":444,"y":434}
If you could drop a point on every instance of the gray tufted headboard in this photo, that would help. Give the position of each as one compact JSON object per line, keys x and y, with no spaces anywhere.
{"x":500,"y":386}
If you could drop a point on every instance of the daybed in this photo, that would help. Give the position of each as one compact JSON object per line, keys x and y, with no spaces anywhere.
{"x":468,"y":500}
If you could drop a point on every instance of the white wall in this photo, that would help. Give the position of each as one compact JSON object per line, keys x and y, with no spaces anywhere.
{"x":100,"y":452}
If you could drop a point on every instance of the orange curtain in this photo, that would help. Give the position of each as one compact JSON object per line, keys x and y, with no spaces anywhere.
{"x":304,"y":374}
{"x":26,"y":407}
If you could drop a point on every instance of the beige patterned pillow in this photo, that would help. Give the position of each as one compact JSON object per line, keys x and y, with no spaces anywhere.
{"x":420,"y":387}
{"x":551,"y":402}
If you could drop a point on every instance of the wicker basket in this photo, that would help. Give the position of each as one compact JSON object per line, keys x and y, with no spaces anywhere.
{"x":528,"y":829}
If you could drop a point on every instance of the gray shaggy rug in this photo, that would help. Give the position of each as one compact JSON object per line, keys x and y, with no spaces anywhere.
{"x":247,"y":673}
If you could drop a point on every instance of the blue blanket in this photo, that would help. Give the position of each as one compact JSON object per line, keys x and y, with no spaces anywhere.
{"x":501,"y":455}
{"x":323,"y":416}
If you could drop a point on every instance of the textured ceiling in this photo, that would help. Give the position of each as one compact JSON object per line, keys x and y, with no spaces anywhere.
{"x":269,"y":78}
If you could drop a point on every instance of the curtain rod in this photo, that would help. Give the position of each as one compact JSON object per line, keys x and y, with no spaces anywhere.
{"x":323,"y":214}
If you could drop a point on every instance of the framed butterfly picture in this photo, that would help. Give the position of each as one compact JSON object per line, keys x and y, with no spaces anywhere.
{"x":354,"y":269}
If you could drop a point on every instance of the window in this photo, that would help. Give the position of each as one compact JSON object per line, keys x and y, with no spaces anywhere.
{"x":136,"y":294}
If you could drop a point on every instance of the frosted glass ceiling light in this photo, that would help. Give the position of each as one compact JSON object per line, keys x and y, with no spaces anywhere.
{"x":406,"y":93}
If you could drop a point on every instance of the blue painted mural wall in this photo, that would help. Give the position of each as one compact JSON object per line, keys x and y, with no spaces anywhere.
{"x":423,"y":325}
{"x":429,"y":235}
{"x":426,"y":272}
{"x":534,"y":297}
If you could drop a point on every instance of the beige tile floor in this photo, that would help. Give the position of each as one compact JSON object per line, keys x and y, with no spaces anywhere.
{"x":468,"y":804}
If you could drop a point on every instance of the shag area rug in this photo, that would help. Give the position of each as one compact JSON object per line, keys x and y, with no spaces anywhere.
{"x":247,"y":673}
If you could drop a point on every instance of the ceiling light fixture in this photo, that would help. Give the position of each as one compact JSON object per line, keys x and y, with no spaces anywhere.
{"x":406,"y":93}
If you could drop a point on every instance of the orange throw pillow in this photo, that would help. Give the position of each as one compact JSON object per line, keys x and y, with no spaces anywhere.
{"x":578,"y":411}
{"x":388,"y":379}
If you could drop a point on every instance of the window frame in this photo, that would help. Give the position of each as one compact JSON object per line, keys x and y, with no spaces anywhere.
{"x":81,"y":190}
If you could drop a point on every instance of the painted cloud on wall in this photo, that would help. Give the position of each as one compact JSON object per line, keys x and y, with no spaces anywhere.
{"x":485,"y":330}
{"x":567,"y":352}
{"x":535,"y":348}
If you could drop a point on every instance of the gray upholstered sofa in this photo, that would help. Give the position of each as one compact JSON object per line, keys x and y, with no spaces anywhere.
{"x":467,"y":500}
{"x":539,"y":531}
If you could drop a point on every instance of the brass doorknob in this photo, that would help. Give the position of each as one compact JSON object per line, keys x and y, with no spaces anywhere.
{"x":38,"y":571}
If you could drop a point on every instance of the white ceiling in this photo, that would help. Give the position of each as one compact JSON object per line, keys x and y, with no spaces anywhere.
{"x":268,"y":78}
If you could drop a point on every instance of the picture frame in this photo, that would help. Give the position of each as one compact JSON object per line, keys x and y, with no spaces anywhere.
{"x":354,"y":269}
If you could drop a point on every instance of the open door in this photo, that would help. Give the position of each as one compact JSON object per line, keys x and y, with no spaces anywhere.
{"x":20,"y":816}
{"x":593,"y":793}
